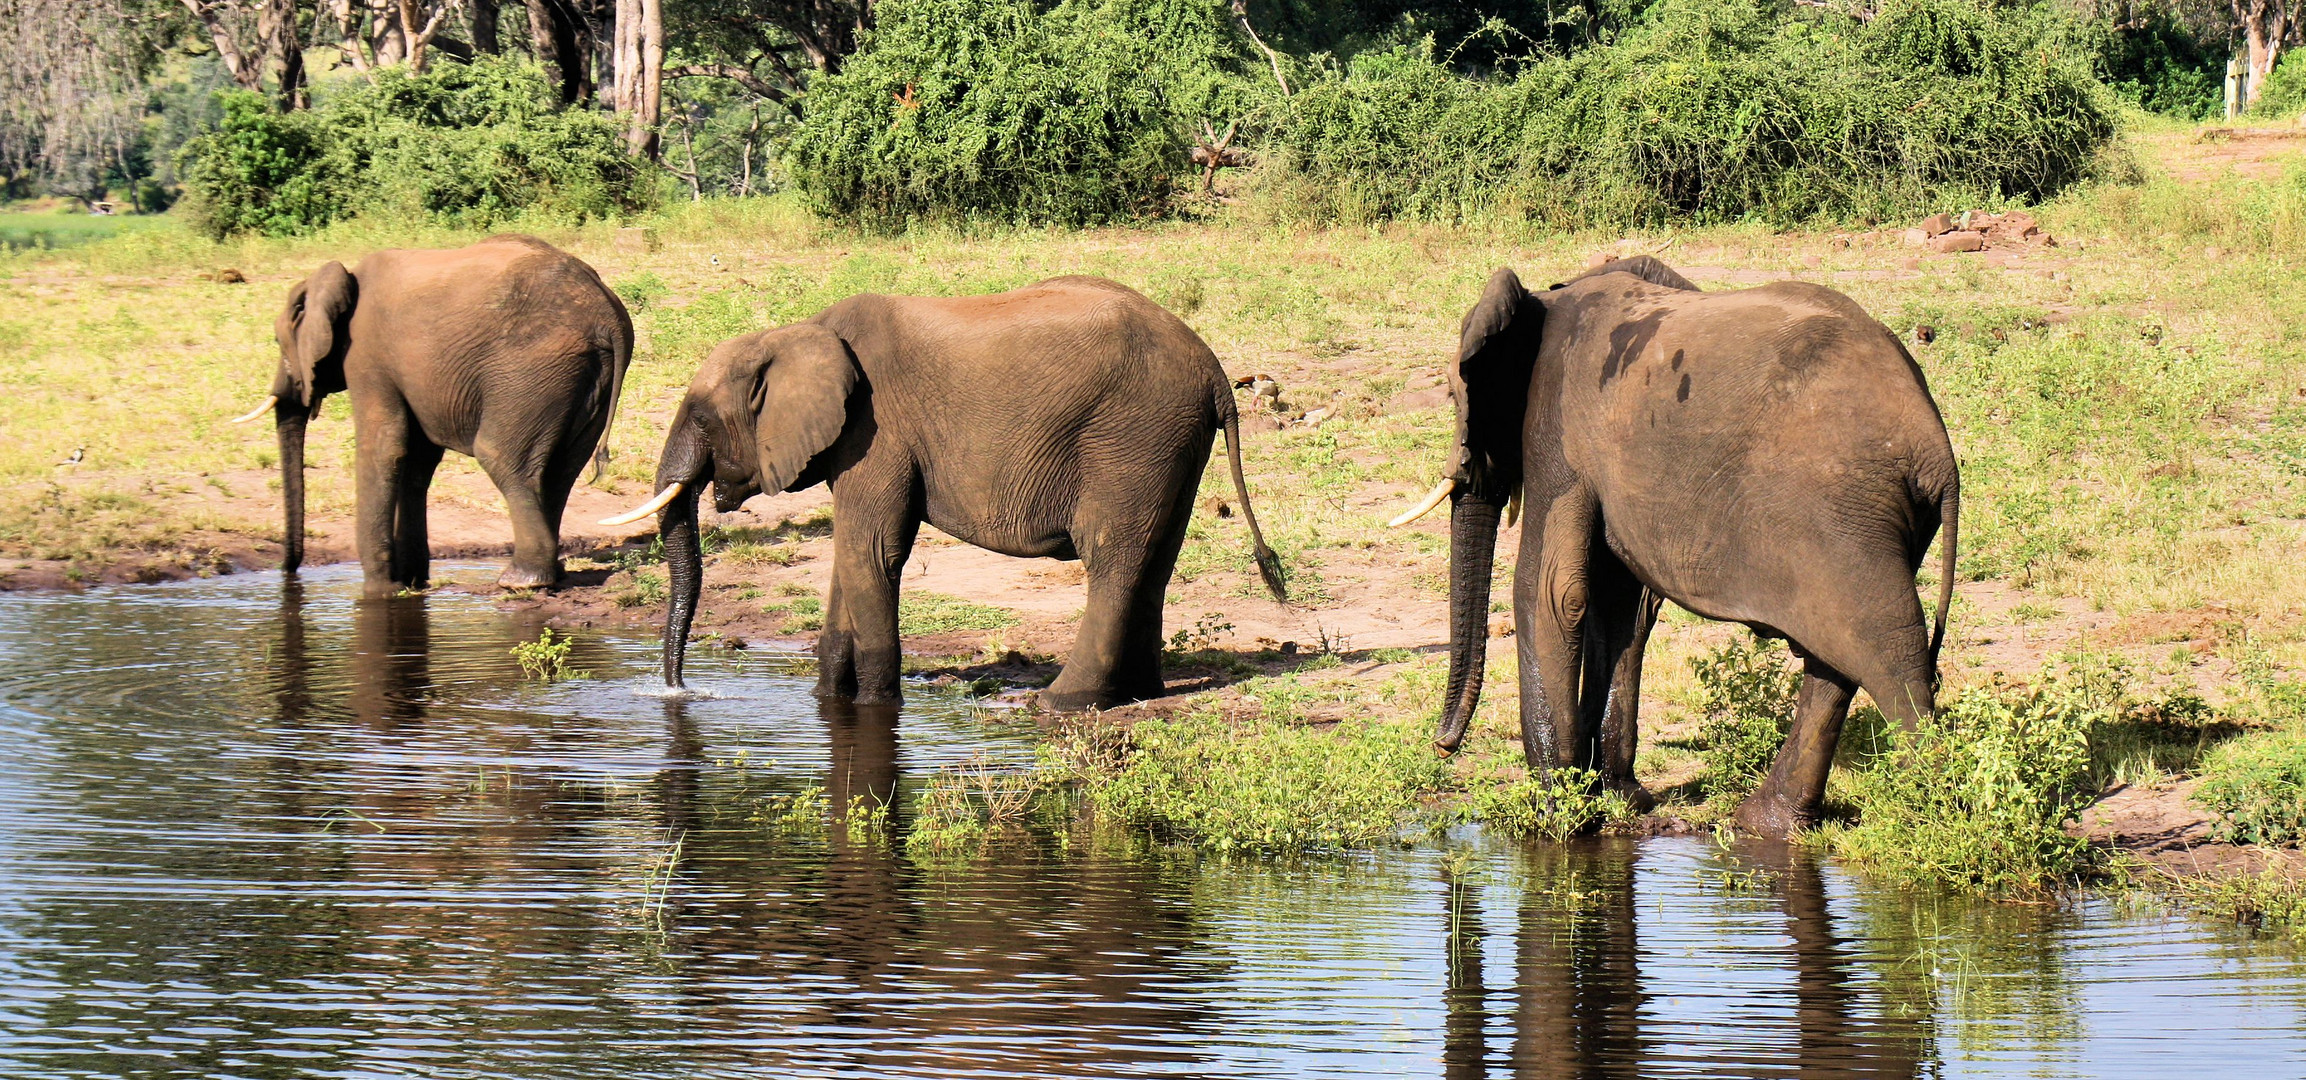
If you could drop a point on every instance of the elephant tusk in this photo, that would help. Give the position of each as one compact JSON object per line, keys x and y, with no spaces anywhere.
{"x":645,"y":509}
{"x":1433,"y":498}
{"x":1513,"y":510}
{"x":257,"y":411}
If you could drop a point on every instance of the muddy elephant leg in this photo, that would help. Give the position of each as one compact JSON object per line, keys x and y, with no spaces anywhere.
{"x":382,"y":437}
{"x":1549,"y":605}
{"x":871,"y":541}
{"x":1789,"y":796}
{"x":535,"y":534}
{"x":1116,"y":655}
{"x":836,"y":654}
{"x":411,"y":535}
{"x":1621,"y":615}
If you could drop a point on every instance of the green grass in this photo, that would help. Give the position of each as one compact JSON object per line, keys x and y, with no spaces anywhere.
{"x":936,"y":613}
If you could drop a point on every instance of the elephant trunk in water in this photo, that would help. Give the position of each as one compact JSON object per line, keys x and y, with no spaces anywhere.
{"x":1473,"y":522}
{"x":684,"y":564}
{"x":288,"y":423}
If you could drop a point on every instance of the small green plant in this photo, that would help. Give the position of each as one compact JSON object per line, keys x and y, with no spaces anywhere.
{"x":645,"y":588}
{"x":546,"y":658}
{"x":1570,"y":802}
{"x":965,"y":804}
{"x":2257,"y":786}
{"x":641,"y":290}
{"x":803,"y":613}
{"x":1266,"y":786}
{"x":1747,"y":693}
{"x":1979,"y":796}
{"x":800,"y":811}
{"x":1203,"y":634}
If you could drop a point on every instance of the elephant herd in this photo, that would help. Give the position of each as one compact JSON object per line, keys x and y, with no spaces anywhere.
{"x":1767,"y":456}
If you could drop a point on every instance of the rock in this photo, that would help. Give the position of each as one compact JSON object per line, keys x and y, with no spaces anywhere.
{"x":1217,"y":506}
{"x":1958,"y":240}
{"x":1979,"y":220}
{"x":1597,"y":259}
{"x":1916,"y":237}
{"x":1314,"y":418}
{"x":1924,"y":333}
{"x":1936,"y":224}
{"x":1912,"y":264}
{"x":1501,"y":624}
{"x":228,"y":276}
{"x":1288,"y":648}
{"x":1432,"y":397}
{"x":636,"y":238}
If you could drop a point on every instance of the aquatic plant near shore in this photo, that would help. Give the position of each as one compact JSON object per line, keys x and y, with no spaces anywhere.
{"x":1979,"y":797}
{"x":546,"y":659}
{"x":1262,"y":785}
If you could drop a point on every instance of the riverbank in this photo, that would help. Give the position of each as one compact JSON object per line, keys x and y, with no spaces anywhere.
{"x":2130,"y":406}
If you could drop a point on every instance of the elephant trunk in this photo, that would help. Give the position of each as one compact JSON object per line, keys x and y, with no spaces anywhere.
{"x":686,"y":461}
{"x":685,"y":565}
{"x":288,"y":424}
{"x":1473,"y":524}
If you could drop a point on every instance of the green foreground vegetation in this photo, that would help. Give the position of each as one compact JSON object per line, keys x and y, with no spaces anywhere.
{"x":2130,"y":408}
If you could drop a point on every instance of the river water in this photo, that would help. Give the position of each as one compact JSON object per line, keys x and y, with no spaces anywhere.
{"x":263,"y":831}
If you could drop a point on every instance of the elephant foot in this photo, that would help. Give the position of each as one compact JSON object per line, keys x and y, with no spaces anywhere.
{"x":1768,"y":814}
{"x":1635,"y":795}
{"x":517,"y":576}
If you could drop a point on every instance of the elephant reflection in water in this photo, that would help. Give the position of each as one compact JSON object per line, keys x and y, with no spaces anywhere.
{"x":1577,"y":1004}
{"x":1035,"y":966}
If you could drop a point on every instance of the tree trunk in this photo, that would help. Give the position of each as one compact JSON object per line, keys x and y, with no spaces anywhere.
{"x":2265,"y":28}
{"x":485,"y":16}
{"x":283,"y":47}
{"x":246,"y":73}
{"x":563,"y":41}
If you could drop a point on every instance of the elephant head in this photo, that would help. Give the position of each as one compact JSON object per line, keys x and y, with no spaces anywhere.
{"x":758,"y":417}
{"x":311,"y":332}
{"x":1497,"y":351}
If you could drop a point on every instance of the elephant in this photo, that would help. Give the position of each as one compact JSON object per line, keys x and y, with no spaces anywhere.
{"x":1069,"y":419}
{"x":510,"y":350}
{"x":1768,"y":456}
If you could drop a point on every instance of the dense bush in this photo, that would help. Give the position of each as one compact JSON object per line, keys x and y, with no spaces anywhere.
{"x":467,"y":144}
{"x":1710,"y":110}
{"x":1979,"y":797}
{"x":998,"y":109}
{"x":2285,"y":89}
{"x":2157,"y":63}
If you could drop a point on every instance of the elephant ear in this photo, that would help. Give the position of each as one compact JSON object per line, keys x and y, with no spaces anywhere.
{"x":1496,"y":351}
{"x":785,"y":391}
{"x":319,"y":309}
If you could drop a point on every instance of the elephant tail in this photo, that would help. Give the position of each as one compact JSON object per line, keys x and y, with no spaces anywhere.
{"x":1950,"y":528}
{"x":1268,"y":564}
{"x":620,"y":358}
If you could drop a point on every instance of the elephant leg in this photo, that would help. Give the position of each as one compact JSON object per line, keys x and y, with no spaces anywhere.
{"x":836,"y":655}
{"x":1116,"y":655}
{"x":535,"y":532}
{"x":1550,"y":594}
{"x":872,"y":538}
{"x":411,"y":535}
{"x":1789,"y":796}
{"x":1623,"y":612}
{"x":382,"y":437}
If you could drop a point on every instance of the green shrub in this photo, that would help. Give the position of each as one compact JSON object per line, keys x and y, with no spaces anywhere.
{"x":2285,"y":89}
{"x":1747,"y":693}
{"x":1712,"y":110}
{"x":998,"y":109}
{"x":1978,"y":798}
{"x":467,"y":145}
{"x":1566,"y":804}
{"x":2257,"y":787}
{"x":1262,"y":786}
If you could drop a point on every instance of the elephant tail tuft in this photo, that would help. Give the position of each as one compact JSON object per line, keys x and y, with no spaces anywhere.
{"x":1949,"y":518}
{"x":1268,"y":563}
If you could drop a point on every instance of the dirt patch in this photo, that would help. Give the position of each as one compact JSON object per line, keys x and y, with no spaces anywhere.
{"x":2162,"y":827}
{"x":2255,"y":153}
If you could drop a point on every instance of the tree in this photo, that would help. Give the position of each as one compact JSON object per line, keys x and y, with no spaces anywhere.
{"x":640,"y":72}
{"x":2267,"y":25}
{"x":72,"y":103}
{"x":255,"y":38}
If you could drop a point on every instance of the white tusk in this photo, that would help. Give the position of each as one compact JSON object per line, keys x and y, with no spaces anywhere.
{"x":647,"y":508}
{"x":257,"y":411}
{"x":1513,"y":510}
{"x":1432,"y":499}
